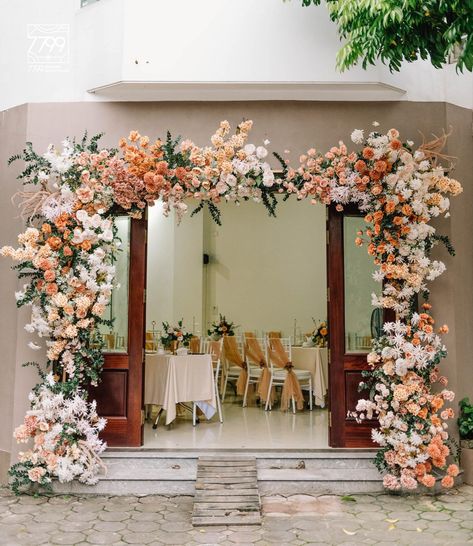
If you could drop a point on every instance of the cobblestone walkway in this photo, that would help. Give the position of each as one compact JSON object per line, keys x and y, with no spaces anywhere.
{"x":298,"y":520}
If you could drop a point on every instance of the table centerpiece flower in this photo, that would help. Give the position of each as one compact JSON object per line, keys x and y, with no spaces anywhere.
{"x":173,"y":335}
{"x":319,"y":336}
{"x":221,"y":328}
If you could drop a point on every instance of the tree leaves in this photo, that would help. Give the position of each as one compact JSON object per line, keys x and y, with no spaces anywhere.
{"x":394,"y":32}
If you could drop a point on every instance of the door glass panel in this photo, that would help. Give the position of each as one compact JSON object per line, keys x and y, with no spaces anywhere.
{"x":362,"y":321}
{"x":115,"y":337}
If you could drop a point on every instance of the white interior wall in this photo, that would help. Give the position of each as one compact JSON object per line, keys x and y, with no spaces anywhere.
{"x":174,"y":283}
{"x":264,"y":272}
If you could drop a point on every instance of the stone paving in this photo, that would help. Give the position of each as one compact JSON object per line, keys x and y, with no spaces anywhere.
{"x":379,"y":519}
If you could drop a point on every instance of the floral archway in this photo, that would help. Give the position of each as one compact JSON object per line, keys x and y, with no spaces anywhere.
{"x":65,"y":256}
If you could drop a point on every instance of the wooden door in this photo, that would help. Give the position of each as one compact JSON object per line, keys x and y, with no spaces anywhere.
{"x":120,"y":393}
{"x":346,"y":362}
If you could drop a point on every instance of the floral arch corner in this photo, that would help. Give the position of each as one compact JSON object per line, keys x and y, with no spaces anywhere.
{"x":65,"y":257}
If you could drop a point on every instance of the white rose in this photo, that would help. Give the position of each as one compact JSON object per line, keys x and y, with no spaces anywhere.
{"x":268,"y":178}
{"x":82,"y":215}
{"x":261,"y":152}
{"x":231,"y":180}
{"x":357,"y":136}
{"x":249,"y":149}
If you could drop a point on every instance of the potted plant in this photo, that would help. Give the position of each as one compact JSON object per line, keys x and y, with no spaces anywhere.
{"x":465,"y":427}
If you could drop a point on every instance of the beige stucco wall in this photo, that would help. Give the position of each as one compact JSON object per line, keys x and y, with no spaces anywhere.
{"x":460,"y":267}
{"x":289,"y":125}
{"x":12,"y":139}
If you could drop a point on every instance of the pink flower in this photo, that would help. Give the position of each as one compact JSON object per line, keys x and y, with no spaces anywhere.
{"x":36,"y":473}
{"x":448,"y":395}
{"x":391,"y":482}
{"x":85,"y":194}
{"x":21,"y":434}
{"x":408,"y":482}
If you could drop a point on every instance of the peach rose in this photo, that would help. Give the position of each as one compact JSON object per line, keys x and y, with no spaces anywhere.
{"x":36,"y":473}
{"x":453,"y":470}
{"x":447,"y":481}
{"x":49,"y":275}
{"x":51,"y":289}
{"x":55,"y":242}
{"x":428,"y":480}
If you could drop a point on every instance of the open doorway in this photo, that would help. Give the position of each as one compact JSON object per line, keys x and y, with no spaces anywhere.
{"x":266,"y":276}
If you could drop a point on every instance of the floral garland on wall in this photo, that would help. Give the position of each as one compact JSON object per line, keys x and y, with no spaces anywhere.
{"x":66,"y":257}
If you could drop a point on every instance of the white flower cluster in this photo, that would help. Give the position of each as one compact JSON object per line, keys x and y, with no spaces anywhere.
{"x":65,"y":432}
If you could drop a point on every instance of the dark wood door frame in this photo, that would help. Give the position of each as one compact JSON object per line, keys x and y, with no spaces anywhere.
{"x":344,"y":368}
{"x":120,"y":393}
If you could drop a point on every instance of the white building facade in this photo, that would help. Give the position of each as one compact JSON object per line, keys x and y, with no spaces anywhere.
{"x":183,"y":65}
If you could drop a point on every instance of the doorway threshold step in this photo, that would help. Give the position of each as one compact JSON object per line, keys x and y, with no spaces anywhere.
{"x":226,"y":492}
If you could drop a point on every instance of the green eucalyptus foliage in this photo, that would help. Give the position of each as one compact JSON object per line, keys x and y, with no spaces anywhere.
{"x":403,"y":30}
{"x":465,"y":419}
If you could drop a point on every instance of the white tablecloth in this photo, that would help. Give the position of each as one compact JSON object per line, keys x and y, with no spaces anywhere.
{"x":315,"y":360}
{"x":173,"y":379}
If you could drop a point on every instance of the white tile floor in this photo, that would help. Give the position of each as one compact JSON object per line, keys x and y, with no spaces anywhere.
{"x":244,"y":428}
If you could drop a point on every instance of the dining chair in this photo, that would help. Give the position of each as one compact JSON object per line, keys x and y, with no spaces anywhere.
{"x":109,"y":340}
{"x":233,"y":352}
{"x":214,"y":349}
{"x":254,"y":355}
{"x":279,"y":373}
{"x":150,"y":342}
{"x":195,"y":345}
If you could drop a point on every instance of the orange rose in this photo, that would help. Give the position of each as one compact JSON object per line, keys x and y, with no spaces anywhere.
{"x":378,"y":215}
{"x":55,"y":243}
{"x":67,"y":251}
{"x":49,"y":275}
{"x":380,"y":166}
{"x":46,"y":228}
{"x":453,"y":470}
{"x":360,"y":166}
{"x":62,"y":220}
{"x":420,"y":469}
{"x":428,"y":480}
{"x":51,"y":289}
{"x":86,"y":245}
{"x":422,"y":413}
{"x":368,"y":153}
{"x":406,"y":210}
{"x":447,"y":481}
